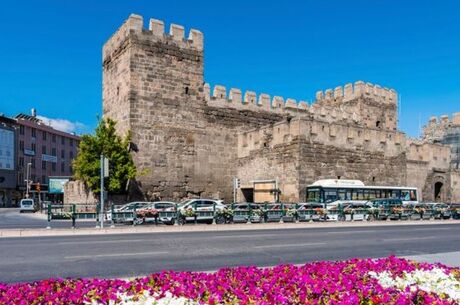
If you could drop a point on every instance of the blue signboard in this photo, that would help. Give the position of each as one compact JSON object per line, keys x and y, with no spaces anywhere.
{"x":56,"y":185}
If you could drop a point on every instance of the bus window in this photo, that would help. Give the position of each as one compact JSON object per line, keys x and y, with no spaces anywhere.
{"x":313,"y":195}
{"x":385,"y":193}
{"x":405,"y":195}
{"x":371,"y":194}
{"x":330,"y":195}
{"x":342,"y":193}
{"x":366,"y":194}
{"x":413,"y":195}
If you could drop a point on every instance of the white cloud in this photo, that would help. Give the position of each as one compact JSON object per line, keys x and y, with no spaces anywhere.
{"x":62,"y":124}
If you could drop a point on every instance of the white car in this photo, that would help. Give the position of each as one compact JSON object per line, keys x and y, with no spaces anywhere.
{"x":159,"y":211}
{"x":27,"y":205}
{"x":204,"y":207}
{"x":124,"y":212}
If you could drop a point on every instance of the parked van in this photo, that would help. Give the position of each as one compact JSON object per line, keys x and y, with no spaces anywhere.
{"x":27,"y":205}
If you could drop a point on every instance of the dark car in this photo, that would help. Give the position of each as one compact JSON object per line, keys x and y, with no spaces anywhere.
{"x":388,"y":208}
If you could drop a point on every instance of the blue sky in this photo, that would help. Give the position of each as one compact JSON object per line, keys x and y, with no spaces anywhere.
{"x":50,"y":51}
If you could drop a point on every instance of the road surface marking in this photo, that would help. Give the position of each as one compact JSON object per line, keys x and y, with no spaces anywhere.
{"x":431,"y":229}
{"x":350,"y":232}
{"x":115,"y":255}
{"x":289,"y":245}
{"x":247,"y":235}
{"x":101,"y":241}
{"x":410,"y":238}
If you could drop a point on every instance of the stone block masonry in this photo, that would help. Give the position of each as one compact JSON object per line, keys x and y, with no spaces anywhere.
{"x":193,"y":139}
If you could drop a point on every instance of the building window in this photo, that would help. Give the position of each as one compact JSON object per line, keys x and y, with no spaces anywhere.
{"x":71,"y":155}
{"x":71,"y":142}
{"x":34,"y":133}
{"x":62,"y":154}
{"x":44,"y":149}
{"x":53,"y":167}
{"x":70,"y":168}
{"x":21,"y":145}
{"x":62,"y":167}
{"x":43,"y":179}
{"x":21,"y":178}
{"x":21,"y":161}
{"x":62,"y":140}
{"x":21,"y":130}
{"x":53,"y":151}
{"x":44,"y":135}
{"x":34,"y":147}
{"x":53,"y":138}
{"x":44,"y":165}
{"x":33,"y":178}
{"x":32,"y":161}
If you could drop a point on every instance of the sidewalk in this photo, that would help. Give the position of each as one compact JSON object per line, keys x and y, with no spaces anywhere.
{"x":5,"y":233}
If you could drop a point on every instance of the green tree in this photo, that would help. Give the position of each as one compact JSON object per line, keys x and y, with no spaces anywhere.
{"x":114,"y":147}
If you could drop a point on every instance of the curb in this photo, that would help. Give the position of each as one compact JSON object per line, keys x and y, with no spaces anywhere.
{"x":9,"y":233}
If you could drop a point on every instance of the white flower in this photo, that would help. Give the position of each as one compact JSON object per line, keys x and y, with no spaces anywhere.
{"x":147,"y":299}
{"x":435,"y":281}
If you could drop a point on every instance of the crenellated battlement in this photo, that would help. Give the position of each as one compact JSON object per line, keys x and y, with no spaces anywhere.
{"x":220,"y":97}
{"x":444,"y":119}
{"x":391,"y":143}
{"x":358,"y":89}
{"x":155,"y":32}
{"x":437,"y":128}
{"x":234,"y":98}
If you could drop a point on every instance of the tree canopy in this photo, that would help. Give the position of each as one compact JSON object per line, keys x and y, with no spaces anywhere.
{"x":107,"y":142}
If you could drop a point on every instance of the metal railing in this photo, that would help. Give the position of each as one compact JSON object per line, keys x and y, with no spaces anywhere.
{"x":250,"y":213}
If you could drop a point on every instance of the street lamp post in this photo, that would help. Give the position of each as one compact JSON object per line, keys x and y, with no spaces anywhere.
{"x":28,"y":180}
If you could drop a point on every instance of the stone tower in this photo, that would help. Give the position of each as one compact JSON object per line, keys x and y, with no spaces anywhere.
{"x":153,"y":86}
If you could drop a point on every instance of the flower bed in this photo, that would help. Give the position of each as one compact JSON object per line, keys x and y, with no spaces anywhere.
{"x":357,"y":281}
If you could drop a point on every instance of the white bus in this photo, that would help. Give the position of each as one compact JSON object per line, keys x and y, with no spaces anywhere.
{"x":334,"y":191}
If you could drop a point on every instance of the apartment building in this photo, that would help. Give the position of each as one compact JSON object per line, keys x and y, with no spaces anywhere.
{"x":8,"y":152}
{"x":43,"y":152}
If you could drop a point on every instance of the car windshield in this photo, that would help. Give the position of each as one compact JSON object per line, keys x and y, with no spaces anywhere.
{"x":131,"y":205}
{"x":27,"y":202}
{"x":185,"y":202}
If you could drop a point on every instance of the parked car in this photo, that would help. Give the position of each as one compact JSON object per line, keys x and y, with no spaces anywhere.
{"x":200,"y":209}
{"x":27,"y":205}
{"x":440,"y":210}
{"x":455,"y":210}
{"x":311,"y":211}
{"x":241,"y":212}
{"x":124,"y":213}
{"x":159,"y":211}
{"x":387,"y":208}
{"x":356,"y":211}
{"x":419,"y":211}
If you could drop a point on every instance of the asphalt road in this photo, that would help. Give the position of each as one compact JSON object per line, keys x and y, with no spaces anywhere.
{"x":128,"y":255}
{"x":10,"y":218}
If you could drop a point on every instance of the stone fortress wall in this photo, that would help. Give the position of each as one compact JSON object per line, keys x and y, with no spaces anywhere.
{"x":446,"y":131}
{"x":194,"y":140}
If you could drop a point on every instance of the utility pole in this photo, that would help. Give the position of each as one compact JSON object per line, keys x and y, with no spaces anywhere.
{"x":104,"y":173}
{"x":101,"y":212}
{"x":28,"y":180}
